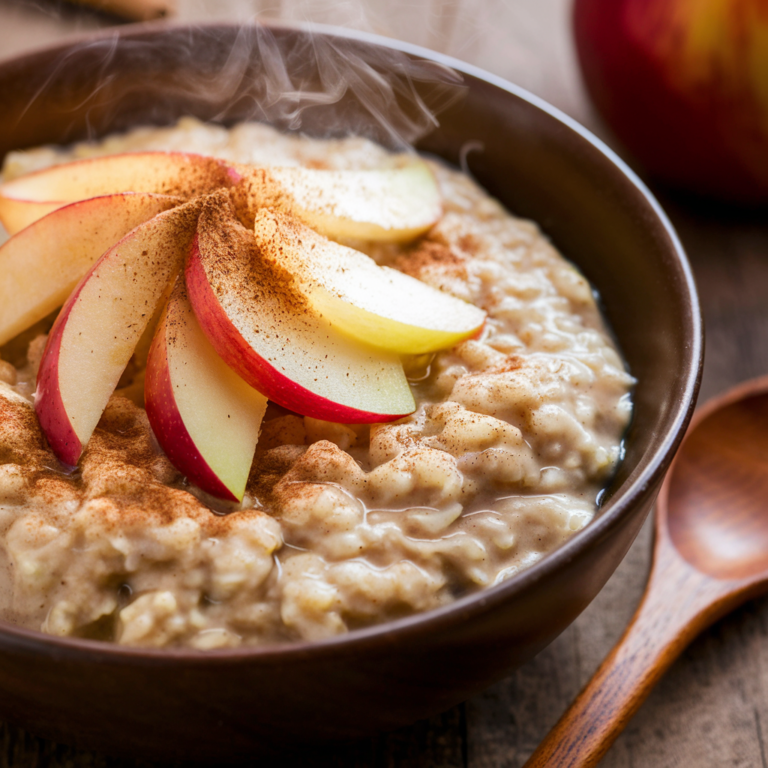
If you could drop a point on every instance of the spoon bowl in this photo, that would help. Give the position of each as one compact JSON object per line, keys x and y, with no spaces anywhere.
{"x":715,"y":500}
{"x":710,"y":555}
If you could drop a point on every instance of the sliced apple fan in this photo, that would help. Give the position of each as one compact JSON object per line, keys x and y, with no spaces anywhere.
{"x":274,"y":311}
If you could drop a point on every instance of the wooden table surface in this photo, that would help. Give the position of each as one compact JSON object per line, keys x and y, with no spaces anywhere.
{"x":711,"y":710}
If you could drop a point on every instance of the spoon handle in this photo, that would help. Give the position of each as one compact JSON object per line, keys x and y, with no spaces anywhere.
{"x":679,"y":602}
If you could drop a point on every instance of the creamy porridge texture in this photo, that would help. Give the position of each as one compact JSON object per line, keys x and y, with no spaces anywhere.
{"x":342,"y":526}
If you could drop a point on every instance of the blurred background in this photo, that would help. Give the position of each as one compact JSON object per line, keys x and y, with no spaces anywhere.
{"x":711,"y":710}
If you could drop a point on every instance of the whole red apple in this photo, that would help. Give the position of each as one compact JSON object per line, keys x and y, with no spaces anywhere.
{"x":684,"y":85}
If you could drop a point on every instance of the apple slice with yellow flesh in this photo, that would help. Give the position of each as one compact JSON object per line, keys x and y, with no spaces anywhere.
{"x":267,"y":332}
{"x":377,"y":305}
{"x":385,"y":204}
{"x":98,"y":328}
{"x":205,"y":417}
{"x":30,"y":197}
{"x":42,"y":264}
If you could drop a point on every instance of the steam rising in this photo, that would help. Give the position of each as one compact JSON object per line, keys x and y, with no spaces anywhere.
{"x":382,"y":81}
{"x":318,"y":84}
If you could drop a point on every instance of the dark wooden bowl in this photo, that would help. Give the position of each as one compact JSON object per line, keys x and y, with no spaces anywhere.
{"x":247,"y":702}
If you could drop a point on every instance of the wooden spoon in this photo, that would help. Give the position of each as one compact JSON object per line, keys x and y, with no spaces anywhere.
{"x":134,"y":10}
{"x":710,"y":555}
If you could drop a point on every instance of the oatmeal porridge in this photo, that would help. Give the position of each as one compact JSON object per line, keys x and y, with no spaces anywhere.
{"x":342,"y":526}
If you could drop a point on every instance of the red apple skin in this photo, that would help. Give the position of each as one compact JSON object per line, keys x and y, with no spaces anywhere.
{"x":683,"y":85}
{"x":49,"y":406}
{"x":52,"y":415}
{"x":235,"y":351}
{"x":64,"y":242}
{"x":168,"y":426}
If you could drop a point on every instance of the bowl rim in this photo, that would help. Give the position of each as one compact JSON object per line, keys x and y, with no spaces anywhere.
{"x":403,"y":630}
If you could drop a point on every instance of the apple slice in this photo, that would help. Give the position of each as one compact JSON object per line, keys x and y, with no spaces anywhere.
{"x":97,"y":330}
{"x":377,"y":305}
{"x":266,"y":331}
{"x":42,"y":264}
{"x":180,"y":174}
{"x":205,"y":417}
{"x":386,"y":204}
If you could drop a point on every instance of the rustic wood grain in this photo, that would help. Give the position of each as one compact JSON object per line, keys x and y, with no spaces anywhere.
{"x":654,"y":639}
{"x":711,"y":708}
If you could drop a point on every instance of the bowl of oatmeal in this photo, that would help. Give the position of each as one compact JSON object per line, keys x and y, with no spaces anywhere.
{"x":373,"y":571}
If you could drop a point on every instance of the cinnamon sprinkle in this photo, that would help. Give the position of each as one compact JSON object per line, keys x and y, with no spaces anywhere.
{"x":119,"y":467}
{"x":431,"y":256}
{"x":236,"y":264}
{"x":258,"y":189}
{"x":511,"y":363}
{"x":194,"y":180}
